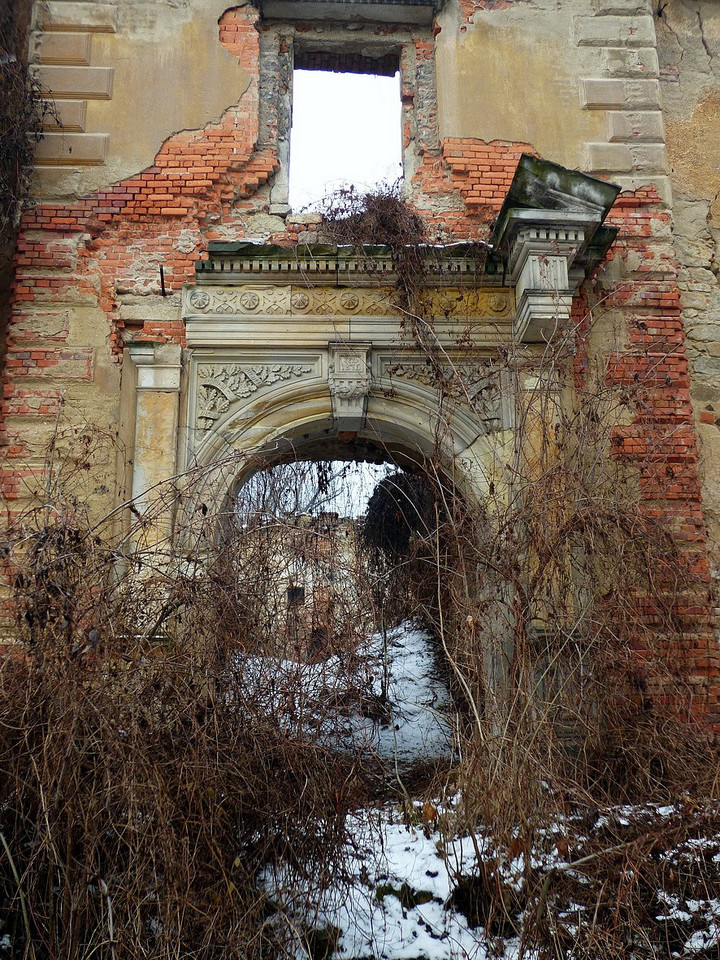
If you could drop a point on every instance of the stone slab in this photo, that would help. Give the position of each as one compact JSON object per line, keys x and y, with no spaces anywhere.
{"x":67,"y":115}
{"x":642,"y":94}
{"x":72,"y":148}
{"x":64,"y":48}
{"x":601,"y":94}
{"x":610,"y":158}
{"x":633,"y":62}
{"x":615,"y":31}
{"x":636,"y":125}
{"x":621,"y":7}
{"x":95,"y":83}
{"x":649,"y":157}
{"x":98,"y":17}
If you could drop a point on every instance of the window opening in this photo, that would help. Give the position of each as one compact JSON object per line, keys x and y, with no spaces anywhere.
{"x":346,"y":131}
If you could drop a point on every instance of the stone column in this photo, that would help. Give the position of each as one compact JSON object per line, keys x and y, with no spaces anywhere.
{"x":156,"y":428}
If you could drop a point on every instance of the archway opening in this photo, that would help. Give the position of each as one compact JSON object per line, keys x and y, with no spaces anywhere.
{"x":327,"y":552}
{"x":334,"y":568}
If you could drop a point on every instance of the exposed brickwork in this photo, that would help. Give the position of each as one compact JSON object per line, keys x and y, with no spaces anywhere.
{"x":659,"y":441}
{"x":483,"y":172}
{"x":460,"y":189}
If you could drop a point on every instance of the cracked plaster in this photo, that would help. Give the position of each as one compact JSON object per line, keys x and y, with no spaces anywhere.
{"x":689,"y":49}
{"x":155,"y":53}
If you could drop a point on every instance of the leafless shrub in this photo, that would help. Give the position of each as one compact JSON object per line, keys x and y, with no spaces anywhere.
{"x":559,"y":603}
{"x":149,"y":789}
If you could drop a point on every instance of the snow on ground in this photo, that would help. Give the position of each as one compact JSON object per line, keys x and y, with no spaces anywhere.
{"x":385,"y":698}
{"x":399,"y":906}
{"x":396,"y":901}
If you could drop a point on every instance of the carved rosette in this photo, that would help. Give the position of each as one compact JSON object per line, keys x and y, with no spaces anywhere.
{"x":323,"y":302}
{"x":349,"y":382}
{"x":474,"y":385}
{"x":240,"y":301}
{"x":220,"y":385}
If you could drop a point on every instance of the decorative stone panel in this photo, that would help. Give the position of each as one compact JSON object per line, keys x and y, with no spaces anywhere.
{"x":349,"y":382}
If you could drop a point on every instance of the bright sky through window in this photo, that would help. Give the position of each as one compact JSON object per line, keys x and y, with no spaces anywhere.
{"x":346,"y":130}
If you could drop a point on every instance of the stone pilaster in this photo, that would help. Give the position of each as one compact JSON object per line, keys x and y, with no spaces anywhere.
{"x":156,"y":419}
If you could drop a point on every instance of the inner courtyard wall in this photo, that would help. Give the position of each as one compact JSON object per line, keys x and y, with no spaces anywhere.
{"x":169,"y":135}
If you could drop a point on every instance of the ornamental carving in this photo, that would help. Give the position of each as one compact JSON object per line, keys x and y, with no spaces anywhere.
{"x":476,"y":385}
{"x":220,"y":385}
{"x":250,"y":301}
{"x":464,"y":303}
{"x":300,"y":301}
{"x":321,"y":301}
{"x":224,"y":301}
{"x":199,"y":300}
{"x":349,"y":383}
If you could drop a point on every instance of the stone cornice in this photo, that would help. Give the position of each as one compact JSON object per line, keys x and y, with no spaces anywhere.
{"x":465,"y":264}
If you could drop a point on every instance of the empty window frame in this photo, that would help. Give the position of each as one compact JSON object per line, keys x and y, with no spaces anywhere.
{"x":346,"y":131}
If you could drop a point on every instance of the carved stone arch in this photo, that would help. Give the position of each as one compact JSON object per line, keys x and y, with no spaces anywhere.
{"x":310,"y":343}
{"x":298,"y":421}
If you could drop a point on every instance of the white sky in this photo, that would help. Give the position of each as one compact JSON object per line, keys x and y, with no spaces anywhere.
{"x":346,"y":129}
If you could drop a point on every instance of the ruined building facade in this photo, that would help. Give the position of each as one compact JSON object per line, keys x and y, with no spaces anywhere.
{"x":141,"y":314}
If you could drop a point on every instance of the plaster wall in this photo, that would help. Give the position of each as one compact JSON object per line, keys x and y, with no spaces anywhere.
{"x":524,"y":75}
{"x":689,"y":49}
{"x":169,"y":73}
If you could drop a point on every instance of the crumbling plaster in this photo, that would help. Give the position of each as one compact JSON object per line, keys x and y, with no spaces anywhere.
{"x":689,"y":50}
{"x":160,"y":49}
{"x":516,"y":66}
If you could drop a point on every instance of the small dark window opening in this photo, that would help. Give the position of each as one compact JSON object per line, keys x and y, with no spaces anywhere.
{"x":295,"y":596}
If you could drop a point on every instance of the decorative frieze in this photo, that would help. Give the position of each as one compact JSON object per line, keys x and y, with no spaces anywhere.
{"x":225,"y":301}
{"x":247,"y":300}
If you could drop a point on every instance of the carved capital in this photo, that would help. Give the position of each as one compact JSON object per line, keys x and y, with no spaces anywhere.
{"x":158,"y":366}
{"x":542,"y":249}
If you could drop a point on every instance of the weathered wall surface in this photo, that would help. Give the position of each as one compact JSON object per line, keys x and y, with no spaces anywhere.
{"x":124,"y":78}
{"x":175,"y":122}
{"x":689,"y":48}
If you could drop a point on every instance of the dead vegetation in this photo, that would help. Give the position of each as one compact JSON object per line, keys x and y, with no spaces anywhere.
{"x":146,"y":788}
